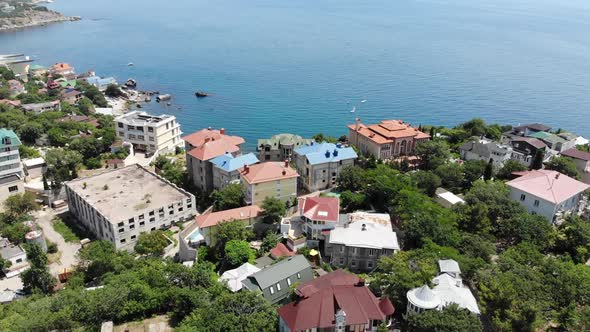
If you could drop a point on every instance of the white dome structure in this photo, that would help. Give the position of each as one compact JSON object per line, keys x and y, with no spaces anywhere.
{"x":422,"y":298}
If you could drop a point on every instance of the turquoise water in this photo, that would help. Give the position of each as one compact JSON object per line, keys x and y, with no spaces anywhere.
{"x":300,"y":66}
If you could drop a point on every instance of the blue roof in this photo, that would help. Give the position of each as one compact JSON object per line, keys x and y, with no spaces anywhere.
{"x":229,"y":163}
{"x":319,"y":153}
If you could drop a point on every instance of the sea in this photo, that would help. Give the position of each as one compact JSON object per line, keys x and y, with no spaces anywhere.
{"x":276,"y":66}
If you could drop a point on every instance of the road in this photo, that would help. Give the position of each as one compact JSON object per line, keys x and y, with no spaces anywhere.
{"x":68,"y":250}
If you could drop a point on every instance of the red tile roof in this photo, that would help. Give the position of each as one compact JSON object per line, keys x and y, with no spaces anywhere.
{"x":268,"y":171}
{"x":388,"y":130}
{"x":320,"y":208}
{"x":577,"y":154}
{"x":211,"y":143}
{"x":215,"y":218}
{"x":281,"y":250}
{"x":551,"y":186}
{"x":326,"y":295}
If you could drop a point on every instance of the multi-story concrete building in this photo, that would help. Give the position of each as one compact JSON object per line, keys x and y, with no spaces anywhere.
{"x":280,"y":147}
{"x":269,"y":179}
{"x":359,"y":243}
{"x":226,"y":168}
{"x":11,"y":171}
{"x":385,"y":140}
{"x":149,"y":133}
{"x":39,"y":108}
{"x":320,"y":163}
{"x":201,"y":147}
{"x":120,"y":204}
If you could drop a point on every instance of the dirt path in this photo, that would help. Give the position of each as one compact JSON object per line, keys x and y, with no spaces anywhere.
{"x":68,"y":250}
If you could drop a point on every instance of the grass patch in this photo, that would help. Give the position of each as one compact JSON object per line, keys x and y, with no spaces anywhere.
{"x":170,"y":234}
{"x":68,"y":228}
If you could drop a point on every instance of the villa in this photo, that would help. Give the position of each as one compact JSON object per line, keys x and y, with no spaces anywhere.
{"x":280,"y":147}
{"x":62,"y":69}
{"x":269,"y":179}
{"x":486,"y":150}
{"x":582,"y":161}
{"x":226,"y":168}
{"x":101,"y":83}
{"x":319,"y":215}
{"x":319,"y":164}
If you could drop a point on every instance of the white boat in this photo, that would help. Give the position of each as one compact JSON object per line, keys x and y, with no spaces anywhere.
{"x":353,"y":109}
{"x":363,"y":101}
{"x":130,"y":64}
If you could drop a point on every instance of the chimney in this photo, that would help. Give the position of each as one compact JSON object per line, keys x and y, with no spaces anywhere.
{"x":557,"y":175}
{"x":357,"y":124}
{"x":207,"y":139}
{"x":286,"y":163}
{"x":364,"y":227}
{"x":360,"y":283}
{"x":327,"y":153}
{"x":222,"y":131}
{"x":284,"y":172}
{"x":246,"y":169}
{"x":208,"y":128}
{"x":335,"y":152}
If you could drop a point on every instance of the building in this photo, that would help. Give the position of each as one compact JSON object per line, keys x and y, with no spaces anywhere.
{"x":582,"y":160}
{"x":485,"y":150}
{"x":269,"y":179}
{"x":115,"y":163}
{"x":338,"y":301}
{"x":15,"y":88}
{"x":359,"y":243}
{"x":11,"y":171}
{"x":280,"y":147}
{"x":524,"y":130}
{"x":101,"y":83}
{"x":318,"y":215}
{"x":385,"y":140}
{"x":233,"y":278}
{"x":547,"y":193}
{"x":448,"y":289}
{"x":274,"y":282}
{"x":118,"y":205}
{"x":201,"y":147}
{"x":62,"y":69}
{"x":71,"y":96}
{"x":42,"y":107}
{"x":558,"y":142}
{"x":524,"y":149}
{"x":447,"y":198}
{"x":149,"y":133}
{"x":37,"y":71}
{"x":16,"y":255}
{"x":18,"y":63}
{"x":207,"y":223}
{"x":319,"y":164}
{"x":226,"y":168}
{"x":13,"y":103}
{"x":34,"y":168}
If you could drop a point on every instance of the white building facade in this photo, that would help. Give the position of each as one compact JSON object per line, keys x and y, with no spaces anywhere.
{"x":148,"y":133}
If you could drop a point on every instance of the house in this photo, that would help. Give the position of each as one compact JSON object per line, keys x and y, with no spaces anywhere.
{"x":118,"y":205}
{"x":448,"y":289}
{"x":269,"y":179}
{"x":524,"y":130}
{"x":226,"y":168}
{"x":115,"y":163}
{"x":233,"y":278}
{"x":547,"y":193}
{"x":71,"y":96}
{"x":360,"y":242}
{"x":16,"y":255}
{"x":280,"y":147}
{"x":385,"y":140}
{"x":582,"y":161}
{"x":15,"y":88}
{"x":447,"y":198}
{"x":280,"y":251}
{"x":11,"y":171}
{"x":37,"y":71}
{"x":201,"y":147}
{"x":558,"y":142}
{"x":151,"y":134}
{"x":524,"y":149}
{"x":319,"y":215}
{"x":39,"y":108}
{"x":337,"y":301}
{"x":486,"y":150}
{"x":62,"y":69}
{"x":101,"y":83}
{"x":274,"y":282}
{"x":34,"y":168}
{"x":319,"y":164}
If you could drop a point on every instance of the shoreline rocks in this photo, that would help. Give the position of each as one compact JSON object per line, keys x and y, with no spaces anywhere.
{"x":33,"y":18}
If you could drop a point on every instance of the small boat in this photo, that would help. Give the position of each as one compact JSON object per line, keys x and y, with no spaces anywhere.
{"x":353,"y":109}
{"x":363,"y":101}
{"x":131,"y":83}
{"x":130,"y":64}
{"x":201,"y":94}
{"x":168,"y":104}
{"x":163,"y":97}
{"x":138,"y":105}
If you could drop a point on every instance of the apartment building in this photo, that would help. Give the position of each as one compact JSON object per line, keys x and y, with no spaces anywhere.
{"x":201,"y":147}
{"x":149,"y":133}
{"x":269,"y":179}
{"x":385,"y":140}
{"x":280,"y":147}
{"x":11,"y":171}
{"x":319,"y":164}
{"x":120,"y":204}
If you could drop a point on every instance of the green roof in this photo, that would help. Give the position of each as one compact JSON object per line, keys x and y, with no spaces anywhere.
{"x":548,"y":137}
{"x":71,"y":83}
{"x":8,"y":138}
{"x":35,"y":67}
{"x":540,"y":134}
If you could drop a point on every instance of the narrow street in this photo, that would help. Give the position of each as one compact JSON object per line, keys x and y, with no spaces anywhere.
{"x":68,"y":250}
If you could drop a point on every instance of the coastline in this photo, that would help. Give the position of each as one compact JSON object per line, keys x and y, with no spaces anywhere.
{"x":34,"y":18}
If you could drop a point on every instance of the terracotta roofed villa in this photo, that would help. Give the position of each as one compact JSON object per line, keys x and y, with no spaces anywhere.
{"x":269,"y":179}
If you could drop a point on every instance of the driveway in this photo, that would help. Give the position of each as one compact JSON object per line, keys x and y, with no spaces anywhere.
{"x":68,"y":250}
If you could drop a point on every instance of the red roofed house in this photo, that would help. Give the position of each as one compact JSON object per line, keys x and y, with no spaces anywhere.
{"x":547,"y":193}
{"x":269,"y":179}
{"x":385,"y":140}
{"x":582,"y":160}
{"x":207,"y":223}
{"x":281,"y":250}
{"x":319,"y":214}
{"x":62,"y":69}
{"x":337,"y":301}
{"x":201,"y":147}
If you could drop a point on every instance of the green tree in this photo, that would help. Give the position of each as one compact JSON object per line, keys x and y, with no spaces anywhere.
{"x":270,"y":241}
{"x":473,"y":170}
{"x":37,"y":277}
{"x":451,"y":176}
{"x":475,"y":127}
{"x":152,"y":243}
{"x":27,"y":152}
{"x":450,"y":319}
{"x":4,"y":264}
{"x":563,"y":165}
{"x":274,"y":209}
{"x":537,"y":162}
{"x":432,"y":154}
{"x":15,"y":232}
{"x":230,"y":197}
{"x":351,"y":178}
{"x":427,"y":182}
{"x":61,"y":165}
{"x":574,"y":238}
{"x":100,"y":258}
{"x":238,"y":252}
{"x":30,"y":131}
{"x":510,"y":166}
{"x":114,"y":91}
{"x":489,"y":171}
{"x":350,"y":201}
{"x":20,"y":204}
{"x":227,"y":231}
{"x":527,"y":227}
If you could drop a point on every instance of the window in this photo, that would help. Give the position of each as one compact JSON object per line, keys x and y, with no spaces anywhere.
{"x":120,"y":124}
{"x":189,"y":206}
{"x":341,"y":249}
{"x":123,"y":241}
{"x":141,"y":223}
{"x":272,"y":290}
{"x":121,"y":133}
{"x":12,"y":189}
{"x":151,"y":138}
{"x":141,"y":217}
{"x":152,"y":219}
{"x":354,"y":250}
{"x":141,"y":137}
{"x":289,"y":281}
{"x":121,"y":230}
{"x":278,"y":287}
{"x":150,"y":130}
{"x":353,"y":264}
{"x":153,"y":228}
{"x":151,"y":213}
{"x":369,"y":264}
{"x":522,"y":197}
{"x":131,"y":220}
{"x":19,"y":260}
{"x":131,"y":226}
{"x":131,"y":136}
{"x":536,"y":202}
{"x":133,"y":237}
{"x":180,"y":209}
{"x":121,"y":224}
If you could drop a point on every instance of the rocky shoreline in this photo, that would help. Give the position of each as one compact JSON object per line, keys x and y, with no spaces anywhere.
{"x":33,"y":18}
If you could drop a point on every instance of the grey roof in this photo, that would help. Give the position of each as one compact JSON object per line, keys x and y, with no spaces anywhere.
{"x":263,"y":262}
{"x":11,"y":251}
{"x":478,"y":148}
{"x":448,"y":265}
{"x":535,"y":126}
{"x":279,"y":271}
